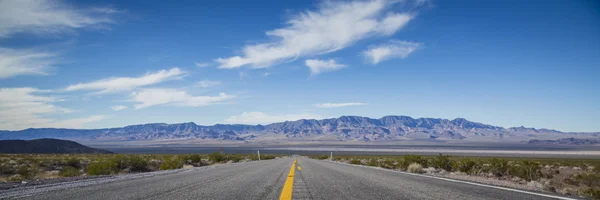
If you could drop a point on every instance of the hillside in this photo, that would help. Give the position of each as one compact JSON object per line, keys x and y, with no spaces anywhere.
{"x":45,"y":146}
{"x":345,"y":128}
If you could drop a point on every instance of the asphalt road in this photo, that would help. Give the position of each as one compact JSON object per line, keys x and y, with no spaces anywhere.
{"x":265,"y":180}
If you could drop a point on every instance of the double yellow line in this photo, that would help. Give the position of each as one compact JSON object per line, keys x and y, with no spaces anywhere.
{"x":286,"y":193}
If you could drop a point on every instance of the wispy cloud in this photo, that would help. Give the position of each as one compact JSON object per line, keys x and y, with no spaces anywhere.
{"x":118,"y":107}
{"x":117,"y":84}
{"x":264,"y":118}
{"x":22,"y":108}
{"x":333,"y":26}
{"x":15,"y":62}
{"x":320,"y":66}
{"x":164,"y":96}
{"x":203,"y":64}
{"x":207,"y":83}
{"x":392,"y":49}
{"x":48,"y":17}
{"x":338,"y":105}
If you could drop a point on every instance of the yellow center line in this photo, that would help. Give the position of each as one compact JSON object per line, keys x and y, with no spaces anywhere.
{"x":286,"y":193}
{"x":299,"y":168}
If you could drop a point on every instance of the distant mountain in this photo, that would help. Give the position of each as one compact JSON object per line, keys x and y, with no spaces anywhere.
{"x":345,"y":128}
{"x":45,"y":146}
{"x":566,"y":141}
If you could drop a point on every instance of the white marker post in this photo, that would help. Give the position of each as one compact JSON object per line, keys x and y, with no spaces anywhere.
{"x":258,"y":154}
{"x":331,"y":156}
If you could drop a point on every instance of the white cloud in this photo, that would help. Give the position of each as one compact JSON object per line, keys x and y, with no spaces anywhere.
{"x":157,"y":96}
{"x":22,"y":108}
{"x":117,"y":84}
{"x":320,"y":66}
{"x":118,"y":107}
{"x":264,"y":118}
{"x":207,"y":83}
{"x":47,"y":17}
{"x":203,"y":64}
{"x":333,"y":26}
{"x":392,"y":49}
{"x":338,"y":105}
{"x":21,"y":62}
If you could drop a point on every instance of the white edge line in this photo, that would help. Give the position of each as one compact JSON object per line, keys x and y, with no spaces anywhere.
{"x":459,"y":181}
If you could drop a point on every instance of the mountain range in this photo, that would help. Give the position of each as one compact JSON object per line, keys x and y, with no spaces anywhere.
{"x":345,"y":128}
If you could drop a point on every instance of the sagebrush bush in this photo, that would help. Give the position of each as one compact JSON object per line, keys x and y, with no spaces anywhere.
{"x":173,"y":162}
{"x":409,"y":159}
{"x":588,"y":179}
{"x":137,"y":163}
{"x":498,"y":167}
{"x":234,"y":158}
{"x":27,"y":172}
{"x":355,"y":162}
{"x":594,"y":193}
{"x":466,"y":165}
{"x":442,"y":162}
{"x":73,"y":162}
{"x":194,"y":159}
{"x":217,"y":157}
{"x":526,"y":170}
{"x":373,"y":162}
{"x":415,"y":168}
{"x":102,"y":167}
{"x":69,"y":171}
{"x":267,"y":157}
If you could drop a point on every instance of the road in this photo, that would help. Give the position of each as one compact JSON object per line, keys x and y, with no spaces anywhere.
{"x":313,"y":179}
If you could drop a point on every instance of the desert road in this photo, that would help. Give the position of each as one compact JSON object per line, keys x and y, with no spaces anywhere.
{"x":311,"y":179}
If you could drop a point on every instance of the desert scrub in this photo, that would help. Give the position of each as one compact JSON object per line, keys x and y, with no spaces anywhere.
{"x":442,"y":162}
{"x":193,"y":159}
{"x":415,"y":168}
{"x":355,"y":162}
{"x":102,"y":167}
{"x":498,"y":167}
{"x":527,"y":170}
{"x":466,"y":165}
{"x":69,"y":171}
{"x":217,"y":157}
{"x":173,"y":162}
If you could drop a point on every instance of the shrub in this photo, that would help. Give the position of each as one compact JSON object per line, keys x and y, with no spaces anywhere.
{"x":466,"y":165}
{"x":526,"y":170}
{"x":69,"y":171}
{"x":388,"y":164}
{"x":498,"y":167}
{"x":321,"y":157}
{"x":16,"y":177}
{"x":409,"y":159}
{"x":27,"y":172}
{"x":102,"y":167}
{"x":234,"y":158}
{"x":253,"y":157}
{"x":415,"y":168}
{"x":194,"y":159}
{"x":217,"y":157}
{"x":373,"y":162}
{"x":355,"y":162}
{"x":73,"y":162}
{"x":588,"y":179}
{"x":442,"y":162}
{"x":267,"y":157}
{"x":137,"y":163}
{"x":171,"y":163}
{"x":594,"y":193}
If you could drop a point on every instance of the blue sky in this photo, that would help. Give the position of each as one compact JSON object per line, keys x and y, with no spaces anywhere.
{"x":95,"y":64}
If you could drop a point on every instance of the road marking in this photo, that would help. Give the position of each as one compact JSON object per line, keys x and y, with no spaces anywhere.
{"x":465,"y":182}
{"x":299,"y":168}
{"x":286,"y":192}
